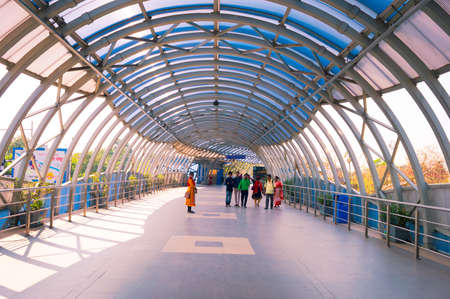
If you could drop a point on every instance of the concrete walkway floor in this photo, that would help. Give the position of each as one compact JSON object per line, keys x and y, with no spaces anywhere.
{"x":152,"y":248}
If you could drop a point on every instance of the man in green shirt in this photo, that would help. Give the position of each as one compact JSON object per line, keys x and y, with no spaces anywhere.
{"x":243,"y":186}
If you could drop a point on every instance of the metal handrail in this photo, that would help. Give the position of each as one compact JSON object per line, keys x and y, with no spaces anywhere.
{"x":305,"y":197}
{"x":79,"y":196}
{"x":375,"y":198}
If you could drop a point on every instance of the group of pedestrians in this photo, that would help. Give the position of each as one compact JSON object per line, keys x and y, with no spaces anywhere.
{"x":272,"y":189}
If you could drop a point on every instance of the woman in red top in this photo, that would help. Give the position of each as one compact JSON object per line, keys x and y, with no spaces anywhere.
{"x":257,"y":191}
{"x":190,"y":193}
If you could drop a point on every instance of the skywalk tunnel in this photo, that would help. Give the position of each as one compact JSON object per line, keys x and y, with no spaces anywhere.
{"x":346,"y":101}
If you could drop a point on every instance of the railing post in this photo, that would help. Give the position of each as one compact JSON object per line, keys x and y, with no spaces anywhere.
{"x":85,"y":188}
{"x":388,"y":225}
{"x":292,"y":198}
{"x":293,"y":192}
{"x":366,"y":218}
{"x":28,"y":214}
{"x":315,"y":203}
{"x":108,"y":183}
{"x":141,"y":185}
{"x":117,"y":193}
{"x":292,"y":195}
{"x":126,"y":191}
{"x":299,"y":193}
{"x":335,"y":208}
{"x":349,"y":214}
{"x":416,"y":233}
{"x":97,"y":196}
{"x":52,"y":207}
{"x":70,"y":202}
{"x":307,"y":200}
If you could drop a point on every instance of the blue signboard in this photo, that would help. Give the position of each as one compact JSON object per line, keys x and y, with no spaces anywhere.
{"x":235,"y":157}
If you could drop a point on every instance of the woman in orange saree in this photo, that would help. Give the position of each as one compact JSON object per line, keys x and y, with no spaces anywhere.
{"x":190,"y":193}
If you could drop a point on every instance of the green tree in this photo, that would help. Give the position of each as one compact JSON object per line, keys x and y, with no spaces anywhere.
{"x":16,"y":142}
{"x":87,"y":158}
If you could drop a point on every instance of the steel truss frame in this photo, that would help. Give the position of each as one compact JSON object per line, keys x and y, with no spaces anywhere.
{"x":166,"y":123}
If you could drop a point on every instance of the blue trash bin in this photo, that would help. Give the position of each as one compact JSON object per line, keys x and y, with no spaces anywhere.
{"x":342,"y":209}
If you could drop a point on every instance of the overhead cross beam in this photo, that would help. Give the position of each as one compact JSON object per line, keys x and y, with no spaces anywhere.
{"x":363,"y":53}
{"x":85,"y":61}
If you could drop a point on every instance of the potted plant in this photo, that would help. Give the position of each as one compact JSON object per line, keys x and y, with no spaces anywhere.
{"x":147,"y":183}
{"x":325,"y":202}
{"x":103,"y":191}
{"x":36,"y":206}
{"x":132,"y":184}
{"x":398,"y":221}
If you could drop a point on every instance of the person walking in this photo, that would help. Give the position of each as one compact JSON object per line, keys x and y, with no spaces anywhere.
{"x":257,"y":191}
{"x":190,"y":193}
{"x":229,"y":189}
{"x":269,"y":191}
{"x":236,"y":180}
{"x":243,"y":186}
{"x":278,"y":195}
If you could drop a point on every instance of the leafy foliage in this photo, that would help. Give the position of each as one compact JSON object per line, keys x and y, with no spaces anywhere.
{"x":395,"y":210}
{"x":16,"y":142}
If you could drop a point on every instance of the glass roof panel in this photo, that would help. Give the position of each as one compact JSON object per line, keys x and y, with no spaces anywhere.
{"x":377,"y":6}
{"x":270,"y":65}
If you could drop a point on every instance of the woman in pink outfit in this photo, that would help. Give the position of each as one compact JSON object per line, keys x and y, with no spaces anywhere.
{"x":278,"y":196}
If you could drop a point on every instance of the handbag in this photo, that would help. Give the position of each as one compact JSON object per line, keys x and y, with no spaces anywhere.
{"x":195,"y":189}
{"x":187,"y":194}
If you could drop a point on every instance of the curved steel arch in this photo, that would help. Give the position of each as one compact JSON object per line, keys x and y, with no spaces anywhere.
{"x":259,"y":61}
{"x":177,"y":114}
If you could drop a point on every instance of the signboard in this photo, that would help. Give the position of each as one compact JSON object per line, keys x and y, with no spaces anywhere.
{"x":40,"y":155}
{"x":235,"y":157}
{"x":6,"y":183}
{"x":259,"y":171}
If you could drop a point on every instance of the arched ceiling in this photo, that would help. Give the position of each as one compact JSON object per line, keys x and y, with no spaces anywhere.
{"x":214,"y":74}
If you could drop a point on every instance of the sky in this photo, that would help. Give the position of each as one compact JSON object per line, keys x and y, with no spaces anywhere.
{"x":399,"y":101}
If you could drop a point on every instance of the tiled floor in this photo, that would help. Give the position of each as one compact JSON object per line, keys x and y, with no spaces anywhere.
{"x":154,"y":249}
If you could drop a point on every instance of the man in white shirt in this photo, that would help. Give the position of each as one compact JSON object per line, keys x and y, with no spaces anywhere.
{"x":269,"y":188}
